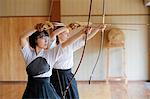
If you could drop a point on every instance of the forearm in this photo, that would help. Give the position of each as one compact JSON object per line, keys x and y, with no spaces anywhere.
{"x":73,"y":39}
{"x":57,"y":32}
{"x":26,"y":34}
{"x":93,"y":33}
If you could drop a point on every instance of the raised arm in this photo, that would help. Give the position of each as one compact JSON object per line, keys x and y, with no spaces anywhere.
{"x":75,"y":37}
{"x":23,"y":38}
{"x":90,"y":33}
{"x":53,"y":33}
{"x":95,"y":31}
{"x":57,"y":32}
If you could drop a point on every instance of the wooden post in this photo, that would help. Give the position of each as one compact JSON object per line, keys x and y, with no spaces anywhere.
{"x":55,"y":11}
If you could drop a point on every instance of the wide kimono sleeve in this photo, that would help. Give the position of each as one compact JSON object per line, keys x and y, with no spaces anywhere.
{"x":54,"y":54}
{"x":27,"y":52}
{"x":78,"y":44}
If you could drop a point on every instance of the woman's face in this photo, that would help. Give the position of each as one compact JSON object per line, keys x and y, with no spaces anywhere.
{"x":63,"y":36}
{"x":42,"y":42}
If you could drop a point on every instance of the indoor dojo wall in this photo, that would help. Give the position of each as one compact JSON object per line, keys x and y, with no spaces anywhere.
{"x":19,"y":15}
{"x":129,"y":12}
{"x":16,"y":16}
{"x":12,"y":64}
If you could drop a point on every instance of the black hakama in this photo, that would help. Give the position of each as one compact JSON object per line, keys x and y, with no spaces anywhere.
{"x":39,"y":87}
{"x":60,"y":79}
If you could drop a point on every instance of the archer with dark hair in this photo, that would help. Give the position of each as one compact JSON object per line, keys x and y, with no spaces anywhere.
{"x":39,"y":59}
{"x":62,"y":74}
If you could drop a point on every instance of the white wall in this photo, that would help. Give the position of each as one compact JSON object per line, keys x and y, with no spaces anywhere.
{"x":117,"y":11}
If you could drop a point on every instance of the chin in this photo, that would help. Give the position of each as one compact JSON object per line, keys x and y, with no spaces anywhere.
{"x":45,"y":47}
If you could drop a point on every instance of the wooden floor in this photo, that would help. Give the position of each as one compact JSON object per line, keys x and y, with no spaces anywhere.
{"x":96,"y":90}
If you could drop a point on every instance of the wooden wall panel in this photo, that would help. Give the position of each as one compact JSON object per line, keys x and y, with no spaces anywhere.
{"x":24,"y":7}
{"x":12,"y":65}
{"x":126,"y":7}
{"x":78,"y":7}
{"x":12,"y":24}
{"x":110,"y":19}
